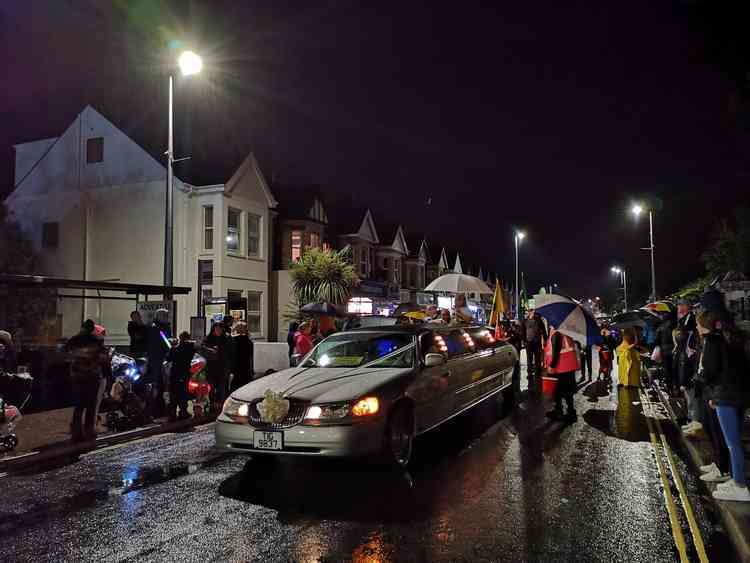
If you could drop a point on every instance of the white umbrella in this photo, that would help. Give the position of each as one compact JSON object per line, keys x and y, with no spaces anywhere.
{"x":459,"y":283}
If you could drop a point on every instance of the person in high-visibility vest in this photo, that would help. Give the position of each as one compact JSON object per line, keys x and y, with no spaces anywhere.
{"x":562,"y":361}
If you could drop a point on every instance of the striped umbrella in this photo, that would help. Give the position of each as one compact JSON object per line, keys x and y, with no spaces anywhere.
{"x":567,"y":316}
{"x":660,"y":307}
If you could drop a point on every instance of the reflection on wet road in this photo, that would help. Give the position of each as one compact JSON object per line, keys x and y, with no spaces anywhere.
{"x":517,"y":488}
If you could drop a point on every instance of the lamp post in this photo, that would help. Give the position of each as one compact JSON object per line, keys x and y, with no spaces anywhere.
{"x":518,"y":236}
{"x":637,"y":210}
{"x":624,"y":279}
{"x":189,"y":64}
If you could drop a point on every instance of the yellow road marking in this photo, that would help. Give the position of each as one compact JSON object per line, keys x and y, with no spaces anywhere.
{"x":679,"y":538}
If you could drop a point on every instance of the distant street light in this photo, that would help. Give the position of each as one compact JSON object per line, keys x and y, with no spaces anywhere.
{"x":624,"y":279}
{"x":518,"y":237}
{"x":189,"y":64}
{"x":637,"y":210}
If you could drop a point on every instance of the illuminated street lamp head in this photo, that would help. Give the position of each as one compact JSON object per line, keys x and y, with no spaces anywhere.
{"x":521,"y":235}
{"x":190,"y":63}
{"x":637,"y":210}
{"x":616,"y":270}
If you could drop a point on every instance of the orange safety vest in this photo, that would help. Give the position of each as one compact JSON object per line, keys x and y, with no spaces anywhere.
{"x":568,"y":360}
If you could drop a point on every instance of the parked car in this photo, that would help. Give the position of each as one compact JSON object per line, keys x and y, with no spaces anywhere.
{"x":367,"y":391}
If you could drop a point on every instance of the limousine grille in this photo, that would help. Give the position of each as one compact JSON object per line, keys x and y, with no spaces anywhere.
{"x":295,"y":415}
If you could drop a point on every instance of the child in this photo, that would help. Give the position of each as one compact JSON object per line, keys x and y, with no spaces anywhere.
{"x":181,"y":357}
{"x":605,"y":356}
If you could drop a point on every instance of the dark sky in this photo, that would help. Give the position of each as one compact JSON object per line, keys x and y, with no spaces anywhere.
{"x":551,"y":116}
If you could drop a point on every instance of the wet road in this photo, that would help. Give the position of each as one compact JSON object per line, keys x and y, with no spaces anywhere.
{"x":483,"y":488}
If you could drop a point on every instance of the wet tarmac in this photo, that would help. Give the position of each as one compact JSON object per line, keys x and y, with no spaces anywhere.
{"x":514,"y":487}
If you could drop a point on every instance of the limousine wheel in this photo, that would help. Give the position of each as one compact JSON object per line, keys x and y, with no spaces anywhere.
{"x":399,"y":435}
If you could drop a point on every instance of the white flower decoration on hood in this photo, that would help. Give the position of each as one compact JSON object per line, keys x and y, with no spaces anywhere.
{"x":274,"y":407}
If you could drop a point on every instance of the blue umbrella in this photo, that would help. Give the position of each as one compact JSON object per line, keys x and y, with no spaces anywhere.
{"x":568,"y":317}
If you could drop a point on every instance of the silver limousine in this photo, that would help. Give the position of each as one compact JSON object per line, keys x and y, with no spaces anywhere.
{"x":367,"y":391}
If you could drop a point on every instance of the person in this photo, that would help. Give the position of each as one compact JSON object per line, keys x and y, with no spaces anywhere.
{"x":293,"y":328}
{"x":137,"y":333}
{"x":685,"y":364}
{"x":157,"y":348}
{"x":431,"y":313}
{"x":243,"y":358}
{"x":605,"y":354}
{"x":665,"y":342}
{"x":8,"y":355}
{"x":302,"y":341}
{"x":315,"y":335}
{"x":461,"y":310}
{"x":724,"y":366}
{"x":562,"y":362}
{"x":629,"y":359}
{"x":228,"y":322}
{"x":181,"y":357}
{"x":445,"y":316}
{"x":534,"y":335}
{"x":217,"y":350}
{"x":513,"y":337}
{"x":88,"y":354}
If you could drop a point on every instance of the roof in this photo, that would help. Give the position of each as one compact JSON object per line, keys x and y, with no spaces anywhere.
{"x":295,"y":202}
{"x":64,"y":283}
{"x":412,"y":329}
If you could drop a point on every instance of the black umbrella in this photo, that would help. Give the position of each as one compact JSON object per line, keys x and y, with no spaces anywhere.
{"x":321,"y":310}
{"x":639,"y":318}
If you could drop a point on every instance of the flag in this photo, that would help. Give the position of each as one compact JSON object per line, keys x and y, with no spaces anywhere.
{"x":498,"y":305}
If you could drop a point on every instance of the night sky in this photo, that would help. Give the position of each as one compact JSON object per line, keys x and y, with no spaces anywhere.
{"x":550,"y":116}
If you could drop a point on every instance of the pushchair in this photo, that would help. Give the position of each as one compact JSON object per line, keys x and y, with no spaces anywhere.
{"x":13,"y":388}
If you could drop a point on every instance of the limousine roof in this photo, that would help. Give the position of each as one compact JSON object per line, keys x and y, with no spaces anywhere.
{"x":411,"y":329}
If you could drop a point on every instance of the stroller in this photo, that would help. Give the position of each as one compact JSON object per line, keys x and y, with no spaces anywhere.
{"x":122,"y":408}
{"x":15,"y":387}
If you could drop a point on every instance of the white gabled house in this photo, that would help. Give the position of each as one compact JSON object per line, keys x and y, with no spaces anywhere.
{"x":93,"y":203}
{"x":457,"y":269}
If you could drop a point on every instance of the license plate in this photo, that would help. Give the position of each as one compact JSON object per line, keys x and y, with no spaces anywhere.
{"x":268,"y":440}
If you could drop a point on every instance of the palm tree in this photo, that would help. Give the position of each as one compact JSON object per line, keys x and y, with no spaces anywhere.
{"x":323,"y":275}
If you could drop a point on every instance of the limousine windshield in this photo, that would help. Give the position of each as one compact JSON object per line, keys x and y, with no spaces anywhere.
{"x":354,"y":349}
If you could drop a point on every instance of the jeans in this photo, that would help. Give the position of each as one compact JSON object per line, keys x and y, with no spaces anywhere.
{"x":87,"y":395}
{"x":721,"y":452}
{"x":534,"y":357}
{"x":178,"y":397}
{"x":731,"y":419}
{"x":565,"y":389}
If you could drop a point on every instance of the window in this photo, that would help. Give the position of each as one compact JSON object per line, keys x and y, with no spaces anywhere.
{"x":254,"y":223}
{"x":206,"y":272}
{"x":233,"y":230}
{"x":50,"y":235}
{"x":253,"y":312}
{"x":364,"y":256}
{"x":206,"y":293}
{"x":315,"y":240}
{"x":94,"y":150}
{"x":397,"y":270}
{"x":296,"y":245}
{"x":208,"y":227}
{"x":234,"y":295}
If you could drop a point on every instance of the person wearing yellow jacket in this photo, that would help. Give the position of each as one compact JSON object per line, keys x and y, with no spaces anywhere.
{"x":629,"y":359}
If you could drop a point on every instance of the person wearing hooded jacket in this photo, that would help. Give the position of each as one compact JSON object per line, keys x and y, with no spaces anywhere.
{"x":157,"y":349}
{"x":724,"y":366}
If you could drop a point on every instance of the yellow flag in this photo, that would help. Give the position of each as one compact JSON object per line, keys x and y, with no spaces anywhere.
{"x":498,"y":304}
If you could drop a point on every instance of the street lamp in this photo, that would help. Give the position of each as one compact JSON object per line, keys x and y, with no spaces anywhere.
{"x":518,"y":236}
{"x":637,"y":210}
{"x":189,"y":64}
{"x":624,"y":279}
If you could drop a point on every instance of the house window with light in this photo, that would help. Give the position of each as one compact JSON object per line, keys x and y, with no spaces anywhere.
{"x":233,"y":230}
{"x":364,"y":264}
{"x":296,"y":245}
{"x":253,"y":235}
{"x":208,"y":227}
{"x":315,"y":240}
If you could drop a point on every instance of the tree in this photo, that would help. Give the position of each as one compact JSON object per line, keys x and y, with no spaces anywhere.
{"x":730,"y":248}
{"x":323,"y":275}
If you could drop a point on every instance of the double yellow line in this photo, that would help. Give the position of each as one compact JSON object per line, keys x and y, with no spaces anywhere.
{"x":695,"y":532}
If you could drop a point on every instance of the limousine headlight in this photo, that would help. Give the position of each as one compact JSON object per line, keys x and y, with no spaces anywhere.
{"x":236,"y":409}
{"x":340,"y":412}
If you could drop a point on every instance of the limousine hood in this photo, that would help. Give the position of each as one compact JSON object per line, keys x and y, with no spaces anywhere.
{"x":321,"y":385}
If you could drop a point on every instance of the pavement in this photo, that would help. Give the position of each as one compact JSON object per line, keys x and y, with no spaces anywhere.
{"x":735,"y":516}
{"x":483,"y":487}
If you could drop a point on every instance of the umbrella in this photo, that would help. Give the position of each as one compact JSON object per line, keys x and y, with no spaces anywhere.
{"x":664,"y":307}
{"x":459,"y":283}
{"x":416,"y":315}
{"x":404,"y":308}
{"x":322,"y":309}
{"x":568,"y":317}
{"x":640,"y":318}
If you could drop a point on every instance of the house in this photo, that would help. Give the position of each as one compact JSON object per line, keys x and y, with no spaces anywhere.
{"x":457,"y":269}
{"x":301,"y":224}
{"x":390,"y":255}
{"x":93,"y":203}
